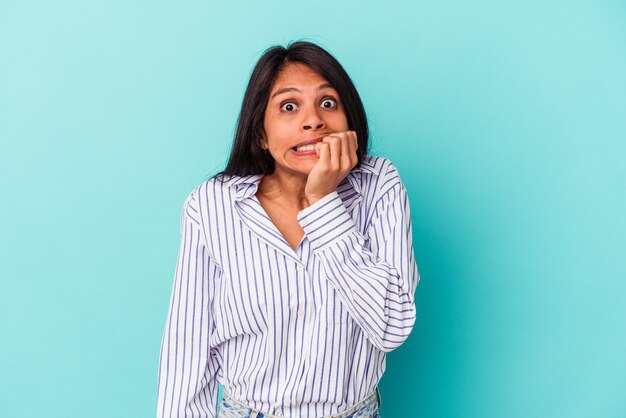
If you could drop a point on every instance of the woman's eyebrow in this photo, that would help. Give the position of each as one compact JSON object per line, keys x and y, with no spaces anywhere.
{"x":290,"y":89}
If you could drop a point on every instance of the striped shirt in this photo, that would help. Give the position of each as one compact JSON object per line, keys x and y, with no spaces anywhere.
{"x":295,"y":333}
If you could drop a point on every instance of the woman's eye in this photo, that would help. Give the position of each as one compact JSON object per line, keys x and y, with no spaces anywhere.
{"x":329,"y":103}
{"x":288,"y":107}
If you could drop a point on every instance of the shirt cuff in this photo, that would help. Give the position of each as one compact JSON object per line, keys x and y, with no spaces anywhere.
{"x":326,"y":221}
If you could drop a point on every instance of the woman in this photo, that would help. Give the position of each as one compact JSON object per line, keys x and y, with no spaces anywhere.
{"x":296,"y":271}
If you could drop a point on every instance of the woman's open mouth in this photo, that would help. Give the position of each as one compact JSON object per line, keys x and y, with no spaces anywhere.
{"x":305,"y":148}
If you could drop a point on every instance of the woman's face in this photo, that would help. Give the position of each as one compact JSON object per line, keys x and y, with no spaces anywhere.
{"x":303,"y":108}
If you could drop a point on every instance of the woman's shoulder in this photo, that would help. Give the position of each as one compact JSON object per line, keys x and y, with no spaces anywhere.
{"x":382,"y":172}
{"x":381,"y":187}
{"x":217,"y":192}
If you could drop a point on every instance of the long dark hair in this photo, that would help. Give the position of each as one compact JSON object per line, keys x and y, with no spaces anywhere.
{"x":246,"y":156}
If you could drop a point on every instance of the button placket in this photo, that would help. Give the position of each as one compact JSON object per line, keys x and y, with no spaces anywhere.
{"x":307,"y":325}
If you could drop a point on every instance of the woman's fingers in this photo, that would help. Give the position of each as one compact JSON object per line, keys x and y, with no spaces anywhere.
{"x":343,"y":147}
{"x":354,"y":145}
{"x":335,"y":152}
{"x":323,"y":152}
{"x":336,"y":157}
{"x":346,"y":153}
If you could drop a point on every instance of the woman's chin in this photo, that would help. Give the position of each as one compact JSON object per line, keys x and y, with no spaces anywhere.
{"x":303,"y":164}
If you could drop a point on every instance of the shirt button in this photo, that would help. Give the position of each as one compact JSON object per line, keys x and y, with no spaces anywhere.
{"x":300,"y":312}
{"x":287,"y":403}
{"x":300,"y":268}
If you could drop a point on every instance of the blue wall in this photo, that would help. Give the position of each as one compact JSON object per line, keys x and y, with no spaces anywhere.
{"x":506,"y":121}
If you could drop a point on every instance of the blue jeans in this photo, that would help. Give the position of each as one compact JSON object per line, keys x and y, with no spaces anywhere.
{"x":367,"y":408}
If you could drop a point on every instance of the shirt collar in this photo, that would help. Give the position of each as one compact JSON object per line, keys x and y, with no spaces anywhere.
{"x":246,"y":186}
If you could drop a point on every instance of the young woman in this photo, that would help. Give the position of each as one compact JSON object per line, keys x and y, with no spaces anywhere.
{"x":296,"y":271}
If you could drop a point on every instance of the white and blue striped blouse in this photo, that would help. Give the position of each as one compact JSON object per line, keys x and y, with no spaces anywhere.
{"x":299,"y":333}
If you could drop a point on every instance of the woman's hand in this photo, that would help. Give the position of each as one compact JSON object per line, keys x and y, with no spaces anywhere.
{"x":337,"y":156}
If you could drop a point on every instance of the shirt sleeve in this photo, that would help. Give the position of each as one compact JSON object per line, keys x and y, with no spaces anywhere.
{"x":187,"y":367}
{"x":374,"y":275}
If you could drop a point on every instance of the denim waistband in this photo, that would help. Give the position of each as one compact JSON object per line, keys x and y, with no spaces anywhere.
{"x":366,"y":408}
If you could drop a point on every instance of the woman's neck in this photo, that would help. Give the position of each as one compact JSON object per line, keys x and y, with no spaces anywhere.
{"x":284,"y":188}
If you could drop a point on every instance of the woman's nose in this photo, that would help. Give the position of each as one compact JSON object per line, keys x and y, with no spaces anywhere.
{"x":312,"y":120}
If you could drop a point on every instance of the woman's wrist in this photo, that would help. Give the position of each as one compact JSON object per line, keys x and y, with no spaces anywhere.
{"x":311,"y":200}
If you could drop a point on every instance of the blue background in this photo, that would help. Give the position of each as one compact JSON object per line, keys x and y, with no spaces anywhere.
{"x":506,"y":121}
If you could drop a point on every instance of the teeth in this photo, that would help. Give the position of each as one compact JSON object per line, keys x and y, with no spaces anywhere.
{"x":306,"y":148}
